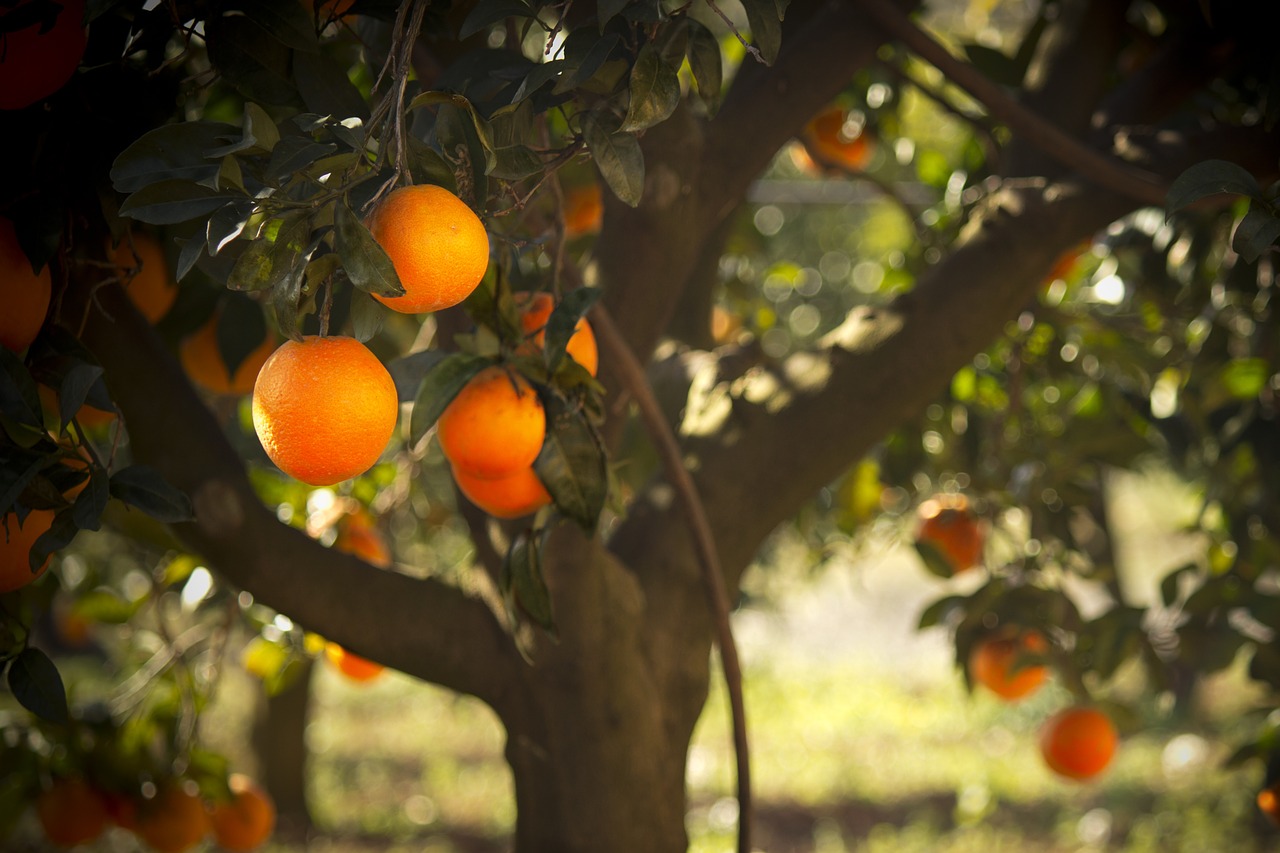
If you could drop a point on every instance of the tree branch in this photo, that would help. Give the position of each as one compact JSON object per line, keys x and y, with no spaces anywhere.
{"x":1098,"y":167}
{"x":420,"y":626}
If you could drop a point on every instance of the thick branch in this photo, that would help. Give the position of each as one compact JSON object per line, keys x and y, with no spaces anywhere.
{"x":1101,"y":168}
{"x":420,"y":626}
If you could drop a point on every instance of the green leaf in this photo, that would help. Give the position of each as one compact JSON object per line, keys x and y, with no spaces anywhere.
{"x":522,"y":570}
{"x":86,"y":512}
{"x":1256,"y":234}
{"x":516,"y":162}
{"x":655,"y":91}
{"x":1244,"y":378}
{"x":581,"y":65}
{"x":259,"y":134}
{"x":572,"y":464}
{"x":143,"y":487}
{"x":440,"y":385}
{"x":367,"y":316}
{"x":287,"y":21}
{"x":938,"y":611}
{"x":169,"y":202}
{"x":326,"y":89}
{"x":241,"y":329}
{"x":250,"y":58}
{"x":367,"y":264}
{"x":268,"y":261}
{"x":171,"y":152}
{"x":36,"y":684}
{"x":105,"y":605}
{"x":765,"y":19}
{"x":563,"y":323}
{"x":705,"y":64}
{"x":617,"y":155}
{"x":74,"y":389}
{"x":463,"y":147}
{"x":19,"y":398}
{"x":408,"y":371}
{"x":486,"y":13}
{"x":18,"y":467}
{"x":1210,"y":177}
{"x":606,"y":10}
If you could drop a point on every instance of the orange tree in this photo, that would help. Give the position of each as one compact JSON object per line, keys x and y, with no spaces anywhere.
{"x":259,"y":140}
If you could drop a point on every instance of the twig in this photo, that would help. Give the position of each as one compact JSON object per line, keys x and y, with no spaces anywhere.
{"x":633,"y":378}
{"x":751,"y":49}
{"x":1099,"y":167}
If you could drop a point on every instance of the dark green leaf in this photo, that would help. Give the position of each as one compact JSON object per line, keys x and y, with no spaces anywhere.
{"x":606,"y":10}
{"x":226,"y":225}
{"x":408,"y":371}
{"x":1210,"y":178}
{"x":250,"y":58}
{"x":142,"y":486}
{"x":89,"y":505}
{"x":287,"y":21}
{"x":367,"y":316}
{"x":516,"y":162}
{"x":705,"y":64}
{"x":1256,"y":234}
{"x":259,"y":134}
{"x":241,"y":329}
{"x":464,"y":149}
{"x":273,"y":258}
{"x":37,"y":686}
{"x":19,"y":399}
{"x":191,"y":252}
{"x":617,"y":156}
{"x":523,"y":570}
{"x":765,"y":20}
{"x":75,"y":387}
{"x":326,"y":89}
{"x":993,"y":63}
{"x":440,"y":385}
{"x":18,"y":467}
{"x":489,"y":12}
{"x":572,"y":464}
{"x":171,"y":152}
{"x":169,"y":202}
{"x":564,"y":321}
{"x":365,"y":261}
{"x":539,"y":76}
{"x":57,"y":537}
{"x":581,"y":65}
{"x":938,"y":611}
{"x":655,"y":91}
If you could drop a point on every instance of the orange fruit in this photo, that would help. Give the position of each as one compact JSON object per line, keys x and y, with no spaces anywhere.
{"x":324,"y":408}
{"x":948,"y":525}
{"x":724,"y":325}
{"x":997,"y":663}
{"x":40,"y":58}
{"x":122,"y":809}
{"x":175,"y":820}
{"x":437,"y":244}
{"x":512,"y":496}
{"x":1078,"y":743}
{"x":352,"y":666}
{"x":15,"y":548}
{"x":535,"y":310}
{"x":829,"y":142}
{"x":495,"y":426}
{"x":247,"y":819}
{"x":583,"y":210}
{"x":358,"y":535}
{"x":144,"y":273}
{"x":202,"y":359}
{"x":24,"y":295}
{"x":1269,"y":803}
{"x":71,"y":812}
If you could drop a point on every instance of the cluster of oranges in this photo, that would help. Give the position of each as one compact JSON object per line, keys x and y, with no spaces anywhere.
{"x":73,"y":811}
{"x":1078,"y":742}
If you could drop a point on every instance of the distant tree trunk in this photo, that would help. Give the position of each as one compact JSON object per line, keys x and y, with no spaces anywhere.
{"x":279,"y":741}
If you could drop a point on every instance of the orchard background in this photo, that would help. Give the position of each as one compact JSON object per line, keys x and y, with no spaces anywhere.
{"x":934,"y":341}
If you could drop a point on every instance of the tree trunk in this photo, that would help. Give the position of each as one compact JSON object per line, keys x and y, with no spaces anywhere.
{"x":279,"y":742}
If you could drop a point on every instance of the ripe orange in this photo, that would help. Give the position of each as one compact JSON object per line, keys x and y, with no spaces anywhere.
{"x":324,"y":408}
{"x":358,"y":535}
{"x":203,"y":362}
{"x":24,"y":295}
{"x":512,"y":496}
{"x":535,"y":310}
{"x":37,"y":61}
{"x":71,"y":812}
{"x":583,"y":210}
{"x":828,"y":142}
{"x":15,"y":548}
{"x":948,"y":524}
{"x":144,"y":273}
{"x":495,"y":426}
{"x":174,"y":820}
{"x":1078,"y":742}
{"x":996,"y":662}
{"x":437,"y":244}
{"x":1269,"y":803}
{"x":247,"y":819}
{"x":352,"y":666}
